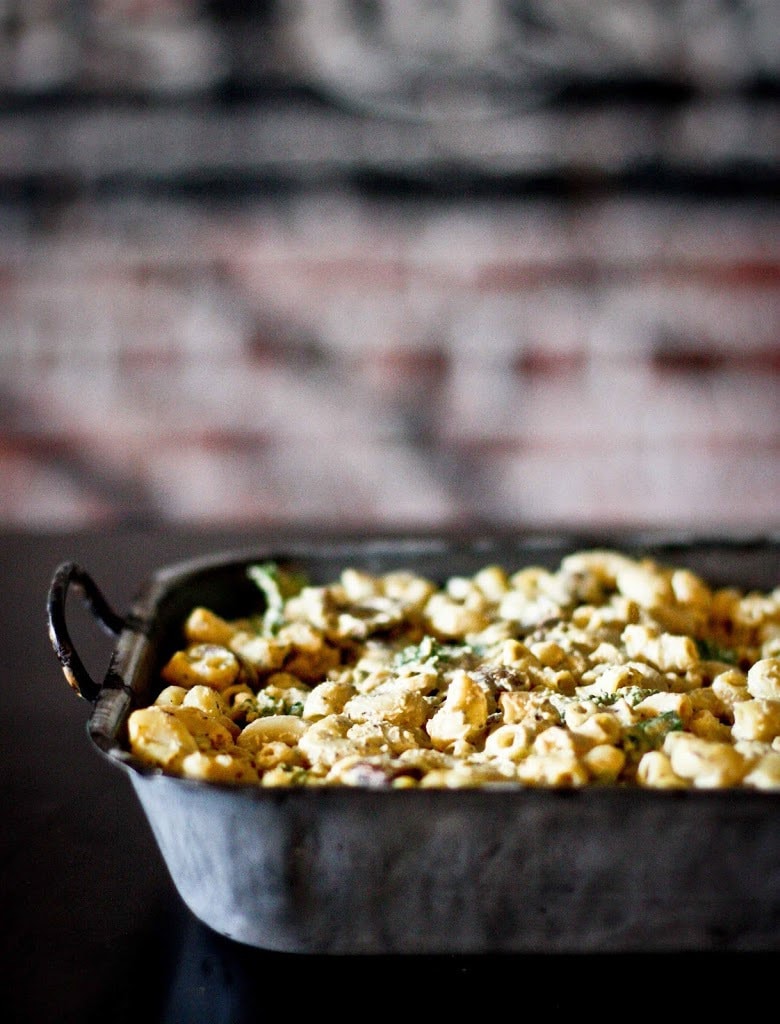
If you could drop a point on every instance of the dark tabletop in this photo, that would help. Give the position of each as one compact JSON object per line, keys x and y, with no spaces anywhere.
{"x":91,"y":927}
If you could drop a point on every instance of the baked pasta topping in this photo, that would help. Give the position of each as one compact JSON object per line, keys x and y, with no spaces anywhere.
{"x":610,"y":670}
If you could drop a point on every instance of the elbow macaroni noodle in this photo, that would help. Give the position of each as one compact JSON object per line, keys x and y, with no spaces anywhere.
{"x":610,"y":670}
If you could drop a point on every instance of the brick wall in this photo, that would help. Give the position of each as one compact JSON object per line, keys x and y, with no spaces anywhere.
{"x":276,"y":311}
{"x":332,"y":359}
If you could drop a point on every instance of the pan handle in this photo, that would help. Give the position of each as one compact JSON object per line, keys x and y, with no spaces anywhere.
{"x":68,"y":575}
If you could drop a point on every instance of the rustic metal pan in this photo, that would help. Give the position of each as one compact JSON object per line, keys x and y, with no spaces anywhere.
{"x":344,"y":870}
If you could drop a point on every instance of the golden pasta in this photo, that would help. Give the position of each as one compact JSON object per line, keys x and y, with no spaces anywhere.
{"x":609,"y":670}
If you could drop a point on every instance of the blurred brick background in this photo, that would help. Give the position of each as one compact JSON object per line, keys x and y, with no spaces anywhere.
{"x":390,"y":264}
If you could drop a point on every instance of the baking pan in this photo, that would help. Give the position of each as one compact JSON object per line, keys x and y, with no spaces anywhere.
{"x":340,"y":870}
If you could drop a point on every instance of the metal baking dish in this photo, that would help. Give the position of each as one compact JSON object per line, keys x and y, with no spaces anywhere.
{"x":345,"y":870}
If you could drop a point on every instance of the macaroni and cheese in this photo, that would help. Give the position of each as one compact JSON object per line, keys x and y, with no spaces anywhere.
{"x":609,"y":670}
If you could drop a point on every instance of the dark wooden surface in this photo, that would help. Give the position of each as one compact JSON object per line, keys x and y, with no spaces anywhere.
{"x":91,"y":928}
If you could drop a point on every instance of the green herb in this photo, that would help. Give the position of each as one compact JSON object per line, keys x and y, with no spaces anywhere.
{"x":267,"y":705}
{"x":650,"y":733}
{"x":709,"y":650}
{"x":429,"y":652}
{"x":632,"y":695}
{"x":264,"y":705}
{"x":636,"y":694}
{"x":605,"y":700}
{"x":277,"y":585}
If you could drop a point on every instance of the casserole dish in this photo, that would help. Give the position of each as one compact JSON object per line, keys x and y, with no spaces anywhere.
{"x":340,"y":870}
